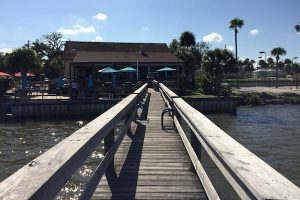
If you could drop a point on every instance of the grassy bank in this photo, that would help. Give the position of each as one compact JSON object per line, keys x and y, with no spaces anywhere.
{"x":262,"y":98}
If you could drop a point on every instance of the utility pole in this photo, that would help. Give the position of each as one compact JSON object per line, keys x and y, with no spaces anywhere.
{"x":28,"y":44}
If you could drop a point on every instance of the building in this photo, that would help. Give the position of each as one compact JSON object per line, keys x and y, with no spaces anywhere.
{"x":83,"y":59}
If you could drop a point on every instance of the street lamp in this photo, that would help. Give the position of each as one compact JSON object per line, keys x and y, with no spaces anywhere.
{"x":265,"y":67}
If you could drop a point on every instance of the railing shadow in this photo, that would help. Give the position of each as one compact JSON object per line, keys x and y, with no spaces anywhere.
{"x":125,"y":185}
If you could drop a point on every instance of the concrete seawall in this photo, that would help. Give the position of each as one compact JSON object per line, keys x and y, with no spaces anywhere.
{"x":59,"y":108}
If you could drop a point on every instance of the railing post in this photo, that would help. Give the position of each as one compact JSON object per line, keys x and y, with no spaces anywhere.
{"x":108,"y":142}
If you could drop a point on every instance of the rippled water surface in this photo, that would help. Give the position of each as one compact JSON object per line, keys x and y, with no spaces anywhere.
{"x":271,"y":132}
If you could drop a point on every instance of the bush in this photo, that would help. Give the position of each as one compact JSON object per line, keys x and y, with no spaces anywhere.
{"x":250,"y":98}
{"x":5,"y":84}
{"x":225,"y":91}
{"x":205,"y":84}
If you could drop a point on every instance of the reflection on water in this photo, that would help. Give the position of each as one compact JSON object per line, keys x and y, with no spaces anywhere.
{"x":271,"y":132}
{"x":21,"y":142}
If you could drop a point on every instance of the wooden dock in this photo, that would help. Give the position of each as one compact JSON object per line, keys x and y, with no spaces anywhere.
{"x":152,"y":164}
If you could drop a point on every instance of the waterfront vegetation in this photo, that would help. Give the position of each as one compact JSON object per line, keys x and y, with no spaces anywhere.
{"x":263,"y":98}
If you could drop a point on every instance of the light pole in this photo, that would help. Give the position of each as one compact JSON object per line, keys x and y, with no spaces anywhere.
{"x":265,"y":66}
{"x":296,"y":76}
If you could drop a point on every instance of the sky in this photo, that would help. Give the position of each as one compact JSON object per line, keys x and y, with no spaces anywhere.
{"x":268,"y":23}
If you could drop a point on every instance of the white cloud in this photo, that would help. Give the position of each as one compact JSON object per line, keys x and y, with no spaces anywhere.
{"x":145,"y":29}
{"x":6,"y":50}
{"x":100,"y":16}
{"x":98,"y":39}
{"x":254,"y":32}
{"x":230,"y":48}
{"x":213,"y":37}
{"x":76,"y":29}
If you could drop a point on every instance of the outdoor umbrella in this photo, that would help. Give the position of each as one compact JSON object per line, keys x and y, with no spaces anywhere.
{"x":128,"y":70}
{"x":4,"y":74}
{"x":166,"y":70}
{"x":18,"y":74}
{"x":109,"y":70}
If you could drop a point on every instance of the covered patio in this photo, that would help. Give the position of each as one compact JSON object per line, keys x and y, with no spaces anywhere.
{"x":85,"y":59}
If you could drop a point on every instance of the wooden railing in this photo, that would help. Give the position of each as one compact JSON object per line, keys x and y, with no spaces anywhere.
{"x":250,"y":177}
{"x":46,"y":175}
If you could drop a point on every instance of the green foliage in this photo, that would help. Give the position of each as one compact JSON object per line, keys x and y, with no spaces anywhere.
{"x":192,"y":56}
{"x":215,"y":63}
{"x":205,"y":84}
{"x":54,"y":67}
{"x":250,"y":98}
{"x":278,"y":51}
{"x":22,"y":59}
{"x":187,"y":39}
{"x":225,"y":91}
{"x":297,"y":28}
{"x":248,"y":65}
{"x":236,"y":23}
{"x":5,"y":84}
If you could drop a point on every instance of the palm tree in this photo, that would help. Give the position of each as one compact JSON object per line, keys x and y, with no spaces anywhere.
{"x":236,"y":24}
{"x":187,"y":39}
{"x":297,"y":27}
{"x":278,"y":51}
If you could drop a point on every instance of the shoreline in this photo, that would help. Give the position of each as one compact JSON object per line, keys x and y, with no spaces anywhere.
{"x":267,"y":95}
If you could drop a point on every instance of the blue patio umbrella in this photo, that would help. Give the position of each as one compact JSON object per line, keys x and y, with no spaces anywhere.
{"x":166,"y":70}
{"x":128,"y":70}
{"x":112,"y":71}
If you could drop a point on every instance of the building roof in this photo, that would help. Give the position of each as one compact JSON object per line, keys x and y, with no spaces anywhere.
{"x":118,"y":52}
{"x":124,"y":57}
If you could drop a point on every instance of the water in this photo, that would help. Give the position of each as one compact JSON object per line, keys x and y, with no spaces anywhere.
{"x":271,"y":132}
{"x":22,"y":141}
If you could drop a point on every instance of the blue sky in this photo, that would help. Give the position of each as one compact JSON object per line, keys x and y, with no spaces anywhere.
{"x":271,"y":22}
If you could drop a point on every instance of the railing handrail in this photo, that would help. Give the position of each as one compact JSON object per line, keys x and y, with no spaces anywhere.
{"x":250,"y":176}
{"x":44,"y":177}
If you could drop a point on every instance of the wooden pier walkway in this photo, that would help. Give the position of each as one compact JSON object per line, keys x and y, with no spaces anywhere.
{"x":152,"y":164}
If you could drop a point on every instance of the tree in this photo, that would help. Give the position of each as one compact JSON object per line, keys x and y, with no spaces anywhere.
{"x":54,"y":44}
{"x":192,"y":55}
{"x":278,"y":51}
{"x":236,"y":24}
{"x":217,"y":61}
{"x":297,"y":28}
{"x":2,"y":62}
{"x":248,"y":65}
{"x":263,"y":64}
{"x":23,"y":60}
{"x":53,"y":68}
{"x":270,"y":62}
{"x":187,"y":39}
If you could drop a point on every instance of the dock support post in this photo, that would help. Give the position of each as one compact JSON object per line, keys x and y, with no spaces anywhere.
{"x":108,"y":142}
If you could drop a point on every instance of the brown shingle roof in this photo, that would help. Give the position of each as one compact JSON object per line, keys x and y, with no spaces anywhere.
{"x":122,"y":57}
{"x":72,"y":47}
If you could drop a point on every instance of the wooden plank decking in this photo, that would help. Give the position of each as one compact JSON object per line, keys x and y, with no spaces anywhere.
{"x":151,"y":163}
